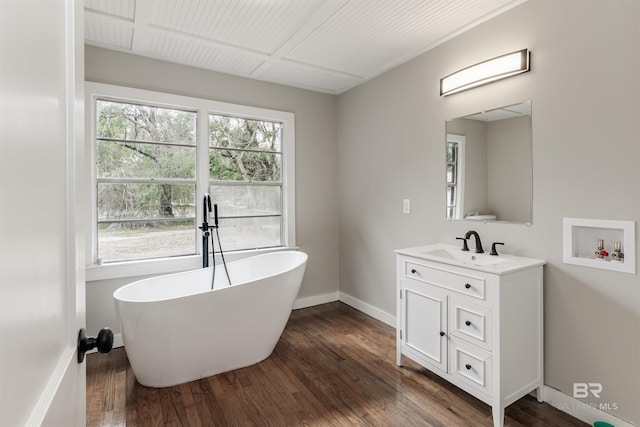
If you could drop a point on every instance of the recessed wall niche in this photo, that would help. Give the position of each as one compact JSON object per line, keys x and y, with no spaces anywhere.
{"x":580,"y":242}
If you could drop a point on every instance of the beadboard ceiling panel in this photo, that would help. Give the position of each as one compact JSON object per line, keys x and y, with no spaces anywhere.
{"x":200,"y":55}
{"x":385,"y":33}
{"x":261,"y":26}
{"x":322,"y":45}
{"x":124,"y":9}
{"x":110,"y":33}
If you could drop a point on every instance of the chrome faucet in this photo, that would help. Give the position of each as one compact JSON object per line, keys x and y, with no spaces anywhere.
{"x":479,"y":249}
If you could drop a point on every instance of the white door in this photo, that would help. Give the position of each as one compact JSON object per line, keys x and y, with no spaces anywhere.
{"x":41,"y":241}
{"x":425,"y":324}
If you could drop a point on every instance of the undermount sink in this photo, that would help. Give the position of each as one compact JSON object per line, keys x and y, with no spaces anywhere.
{"x":466,"y":257}
{"x":454,"y":255}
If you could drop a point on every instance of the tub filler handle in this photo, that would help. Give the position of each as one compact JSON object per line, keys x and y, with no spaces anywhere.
{"x":104,"y":342}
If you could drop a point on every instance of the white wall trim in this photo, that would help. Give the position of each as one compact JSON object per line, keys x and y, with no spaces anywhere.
{"x":117,"y":341}
{"x":315,"y":300}
{"x":579,"y":409}
{"x":372,"y":311}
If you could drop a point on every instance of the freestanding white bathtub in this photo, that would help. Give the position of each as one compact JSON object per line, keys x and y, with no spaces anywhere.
{"x":176,"y":329}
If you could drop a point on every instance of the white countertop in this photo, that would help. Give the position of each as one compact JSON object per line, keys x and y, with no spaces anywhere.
{"x":454,"y":255}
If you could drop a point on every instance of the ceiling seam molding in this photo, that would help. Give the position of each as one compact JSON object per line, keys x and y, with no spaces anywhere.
{"x":322,"y":14}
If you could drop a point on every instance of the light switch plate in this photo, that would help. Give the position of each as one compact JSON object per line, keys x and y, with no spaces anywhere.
{"x":406,"y":206}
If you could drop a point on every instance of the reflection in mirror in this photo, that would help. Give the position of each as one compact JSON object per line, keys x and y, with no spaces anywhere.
{"x":489,"y":165}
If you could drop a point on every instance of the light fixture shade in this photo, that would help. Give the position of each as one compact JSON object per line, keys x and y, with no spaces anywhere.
{"x":486,"y":72}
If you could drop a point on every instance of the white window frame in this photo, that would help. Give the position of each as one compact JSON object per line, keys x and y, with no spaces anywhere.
{"x":204,"y":107}
{"x":460,"y":141}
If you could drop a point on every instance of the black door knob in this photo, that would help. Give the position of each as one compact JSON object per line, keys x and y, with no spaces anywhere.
{"x":442,"y":334}
{"x":104,"y":342}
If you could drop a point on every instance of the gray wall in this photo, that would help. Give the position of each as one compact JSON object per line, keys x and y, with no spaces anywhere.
{"x":316,"y":150}
{"x":509,"y":169}
{"x":584,"y":86}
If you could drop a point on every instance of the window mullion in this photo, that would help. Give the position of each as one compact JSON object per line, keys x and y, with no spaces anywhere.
{"x":146,"y":181}
{"x":245,"y":150}
{"x":202,"y":169}
{"x":150,"y":219}
{"x":243,"y":183}
{"x":136,"y":142}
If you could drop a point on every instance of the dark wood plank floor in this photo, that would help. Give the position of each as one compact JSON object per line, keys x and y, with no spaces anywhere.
{"x":333,"y":366}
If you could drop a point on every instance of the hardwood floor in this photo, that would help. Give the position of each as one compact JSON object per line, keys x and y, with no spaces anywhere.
{"x":333,"y":366}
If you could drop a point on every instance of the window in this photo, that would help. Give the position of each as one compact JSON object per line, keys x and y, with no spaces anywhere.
{"x":245,"y":162}
{"x":154,"y":156}
{"x":455,"y":176}
{"x":145,"y":175}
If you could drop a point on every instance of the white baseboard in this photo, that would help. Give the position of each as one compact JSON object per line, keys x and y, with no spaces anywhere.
{"x":581,"y":410}
{"x":315,"y":300}
{"x":362,"y":306}
{"x":372,"y":311}
{"x":117,"y":341}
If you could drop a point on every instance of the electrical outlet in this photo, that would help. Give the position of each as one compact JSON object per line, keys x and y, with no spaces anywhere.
{"x":406,"y":206}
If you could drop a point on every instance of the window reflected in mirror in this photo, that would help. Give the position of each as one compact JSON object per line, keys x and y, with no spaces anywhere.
{"x":489,"y":165}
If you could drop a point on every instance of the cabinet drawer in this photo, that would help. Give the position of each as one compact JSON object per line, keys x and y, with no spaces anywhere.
{"x":471,"y":365}
{"x":470,"y":322}
{"x":463,"y":283}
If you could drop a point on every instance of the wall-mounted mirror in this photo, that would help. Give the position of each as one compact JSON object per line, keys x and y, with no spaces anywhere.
{"x":489,"y":165}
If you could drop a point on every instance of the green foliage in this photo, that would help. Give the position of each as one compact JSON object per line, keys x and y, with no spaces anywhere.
{"x":229,"y":140}
{"x":142,"y":142}
{"x":133,"y":122}
{"x":135,"y":201}
{"x":122,"y":130}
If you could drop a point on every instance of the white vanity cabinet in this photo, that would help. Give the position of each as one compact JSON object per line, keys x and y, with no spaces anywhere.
{"x":477,"y":325}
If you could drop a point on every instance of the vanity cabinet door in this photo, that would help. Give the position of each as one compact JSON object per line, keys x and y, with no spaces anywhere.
{"x":424,"y":324}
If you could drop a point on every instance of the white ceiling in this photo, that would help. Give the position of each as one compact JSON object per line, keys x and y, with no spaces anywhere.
{"x":510,"y":112}
{"x":323,"y":45}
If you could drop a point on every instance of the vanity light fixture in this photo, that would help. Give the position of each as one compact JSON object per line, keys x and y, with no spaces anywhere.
{"x":486,"y":72}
